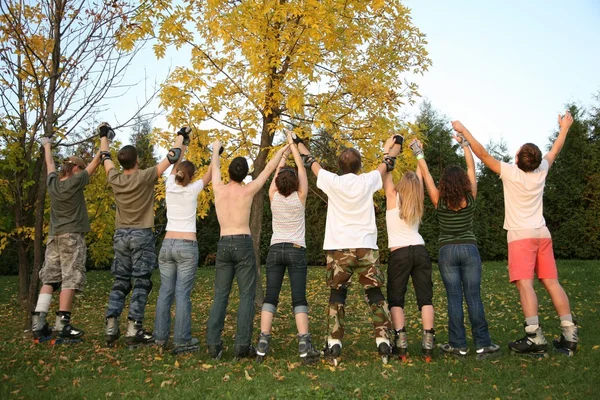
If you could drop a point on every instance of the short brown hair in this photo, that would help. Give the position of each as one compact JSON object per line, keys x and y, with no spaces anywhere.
{"x":349,"y":161}
{"x":529,"y":157}
{"x":287,"y":181}
{"x":185,"y":172}
{"x":127,"y":157}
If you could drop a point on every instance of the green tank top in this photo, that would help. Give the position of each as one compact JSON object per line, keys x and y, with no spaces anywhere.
{"x":456,"y":226}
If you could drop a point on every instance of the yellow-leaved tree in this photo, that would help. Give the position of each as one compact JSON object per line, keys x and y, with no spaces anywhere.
{"x":255,"y":68}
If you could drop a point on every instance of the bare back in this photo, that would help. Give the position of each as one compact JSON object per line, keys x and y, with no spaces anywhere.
{"x":232,"y":203}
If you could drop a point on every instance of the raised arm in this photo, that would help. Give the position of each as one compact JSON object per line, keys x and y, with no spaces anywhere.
{"x":185,"y":132}
{"x":106,"y":134}
{"x":302,"y":177}
{"x":391,"y":148}
{"x":477,"y":147}
{"x":273,"y":185}
{"x":315,"y":167}
{"x":215,"y":164}
{"x":432,"y":190}
{"x":47,"y":145}
{"x":565,"y":122}
{"x":464,"y":143}
{"x":207,"y":177}
{"x":91,"y":167}
{"x":260,"y":180}
{"x":174,"y":155}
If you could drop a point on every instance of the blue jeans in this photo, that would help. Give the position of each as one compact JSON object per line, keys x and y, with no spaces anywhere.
{"x":178,"y":263}
{"x":460,"y":267}
{"x":235,"y":257}
{"x":282,"y":255}
{"x":134,"y":260}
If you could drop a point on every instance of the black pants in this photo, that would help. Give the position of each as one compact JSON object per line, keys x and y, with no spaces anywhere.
{"x":405,"y":262}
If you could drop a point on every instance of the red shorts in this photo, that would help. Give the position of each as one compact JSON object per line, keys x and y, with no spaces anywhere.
{"x":529,"y":256}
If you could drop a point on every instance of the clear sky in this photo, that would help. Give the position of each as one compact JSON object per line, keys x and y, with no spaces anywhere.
{"x":504,"y":68}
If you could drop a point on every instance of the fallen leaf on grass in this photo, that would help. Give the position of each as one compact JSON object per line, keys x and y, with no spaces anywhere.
{"x":166,"y":383}
{"x":248,"y":377}
{"x":206,"y":366}
{"x":176,"y":364}
{"x":225,"y":378}
{"x":596,"y":347}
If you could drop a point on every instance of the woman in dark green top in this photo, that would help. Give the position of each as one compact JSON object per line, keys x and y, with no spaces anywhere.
{"x":459,"y":260}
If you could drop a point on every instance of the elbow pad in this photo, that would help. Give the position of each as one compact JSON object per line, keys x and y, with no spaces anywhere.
{"x":174,"y":155}
{"x":308,"y":160}
{"x":390,"y":162}
{"x":105,"y":155}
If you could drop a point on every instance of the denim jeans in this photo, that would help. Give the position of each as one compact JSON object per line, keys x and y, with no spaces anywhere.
{"x":178,"y":263}
{"x":282,"y":255}
{"x":135,"y":259}
{"x":235,"y":257}
{"x":460,"y":267}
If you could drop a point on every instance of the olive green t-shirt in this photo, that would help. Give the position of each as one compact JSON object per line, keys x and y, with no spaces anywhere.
{"x":68,"y":213}
{"x":134,"y":195}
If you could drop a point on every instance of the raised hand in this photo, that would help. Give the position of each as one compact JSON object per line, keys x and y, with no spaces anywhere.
{"x":104,"y":130}
{"x":417,"y":148}
{"x":458,"y":127}
{"x":46,"y":140}
{"x":565,"y":121}
{"x":216,"y":146}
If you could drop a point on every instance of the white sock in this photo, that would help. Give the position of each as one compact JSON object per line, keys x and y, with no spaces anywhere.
{"x":380,"y":340}
{"x":331,"y":342}
{"x":43,"y":304}
{"x":531,"y":328}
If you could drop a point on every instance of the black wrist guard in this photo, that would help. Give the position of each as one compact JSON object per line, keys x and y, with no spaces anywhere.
{"x":308,"y":160}
{"x":173,"y":155}
{"x":296,"y":139}
{"x":104,"y":130}
{"x":105,"y":155}
{"x":186,"y":141}
{"x":390,"y":162}
{"x":399,"y":139}
{"x":185,"y":132}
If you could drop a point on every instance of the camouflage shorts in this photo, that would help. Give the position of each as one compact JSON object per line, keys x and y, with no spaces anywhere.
{"x":341,"y":264}
{"x":65,"y":261}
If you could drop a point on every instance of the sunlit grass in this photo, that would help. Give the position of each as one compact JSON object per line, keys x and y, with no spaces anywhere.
{"x":88,"y":370}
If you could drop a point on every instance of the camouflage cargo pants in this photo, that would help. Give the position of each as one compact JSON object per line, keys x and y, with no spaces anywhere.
{"x":341,"y":265}
{"x":135,"y":259}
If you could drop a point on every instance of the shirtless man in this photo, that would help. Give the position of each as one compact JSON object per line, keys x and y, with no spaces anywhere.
{"x":235,"y":254}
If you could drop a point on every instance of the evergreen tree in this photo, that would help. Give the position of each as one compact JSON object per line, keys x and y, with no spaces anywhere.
{"x":141,"y":139}
{"x":489,"y":211}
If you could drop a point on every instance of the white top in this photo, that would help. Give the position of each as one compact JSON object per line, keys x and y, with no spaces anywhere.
{"x":288,"y":219}
{"x":400,"y":234}
{"x":350,"y":212}
{"x":523,"y":196}
{"x":182,"y":202}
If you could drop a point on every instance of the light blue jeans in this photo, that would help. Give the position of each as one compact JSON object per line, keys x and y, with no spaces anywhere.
{"x":178,"y":262}
{"x":460,"y":267}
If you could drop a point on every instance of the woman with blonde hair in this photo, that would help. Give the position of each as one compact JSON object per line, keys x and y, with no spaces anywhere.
{"x":459,"y":260}
{"x":408,"y":258}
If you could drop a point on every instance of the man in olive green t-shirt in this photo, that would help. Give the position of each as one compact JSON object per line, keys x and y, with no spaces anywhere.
{"x":64,"y":260}
{"x":133,"y":242}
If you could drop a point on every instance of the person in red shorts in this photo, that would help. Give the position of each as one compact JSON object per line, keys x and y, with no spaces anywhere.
{"x":529,"y":242}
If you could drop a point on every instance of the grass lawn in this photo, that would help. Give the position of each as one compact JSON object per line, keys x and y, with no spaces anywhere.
{"x":87,"y":370}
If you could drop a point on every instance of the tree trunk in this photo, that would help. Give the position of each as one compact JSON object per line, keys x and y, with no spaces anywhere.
{"x":23,"y":272}
{"x":256,"y":213}
{"x":37,"y":245}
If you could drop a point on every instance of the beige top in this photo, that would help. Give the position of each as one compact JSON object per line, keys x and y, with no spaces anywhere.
{"x":134,"y":195}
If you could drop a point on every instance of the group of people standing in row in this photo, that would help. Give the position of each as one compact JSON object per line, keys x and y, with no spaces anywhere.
{"x":350,"y":245}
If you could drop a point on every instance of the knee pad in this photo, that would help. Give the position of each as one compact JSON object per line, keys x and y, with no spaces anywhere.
{"x":122,"y":285}
{"x":374,"y":295}
{"x":55,"y":285}
{"x":338,"y":296}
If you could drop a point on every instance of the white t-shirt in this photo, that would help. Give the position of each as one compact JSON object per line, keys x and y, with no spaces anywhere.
{"x":523,"y":196}
{"x":350,"y":212}
{"x":182,"y":202}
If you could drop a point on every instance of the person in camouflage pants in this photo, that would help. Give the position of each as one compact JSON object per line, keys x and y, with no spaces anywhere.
{"x":341,"y":265}
{"x":351,"y":240}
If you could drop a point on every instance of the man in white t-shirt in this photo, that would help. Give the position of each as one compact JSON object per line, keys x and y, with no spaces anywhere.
{"x":529,"y":242}
{"x":351,"y":240}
